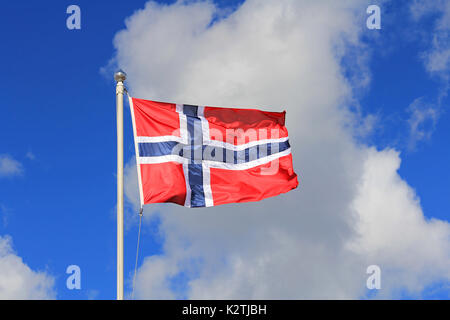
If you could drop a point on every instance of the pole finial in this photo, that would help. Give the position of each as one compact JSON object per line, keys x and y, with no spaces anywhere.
{"x":120,"y":75}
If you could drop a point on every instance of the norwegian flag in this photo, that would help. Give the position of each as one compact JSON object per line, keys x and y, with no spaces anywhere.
{"x":200,"y":156}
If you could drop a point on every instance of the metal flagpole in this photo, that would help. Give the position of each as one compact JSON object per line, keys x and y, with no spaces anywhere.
{"x":120,"y":77}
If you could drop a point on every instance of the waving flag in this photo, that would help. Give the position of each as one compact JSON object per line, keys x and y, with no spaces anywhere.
{"x":200,"y":156}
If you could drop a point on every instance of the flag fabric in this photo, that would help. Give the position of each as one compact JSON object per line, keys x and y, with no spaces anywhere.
{"x":199,"y":156}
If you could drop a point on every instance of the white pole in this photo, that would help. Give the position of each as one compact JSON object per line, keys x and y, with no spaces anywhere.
{"x":120,"y":77}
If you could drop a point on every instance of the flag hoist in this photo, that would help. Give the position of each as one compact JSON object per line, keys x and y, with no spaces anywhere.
{"x":120,"y":77}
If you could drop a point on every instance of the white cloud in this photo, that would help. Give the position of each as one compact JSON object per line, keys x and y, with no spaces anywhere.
{"x":393,"y":231}
{"x":4,"y":213}
{"x":422,"y":121}
{"x":424,"y":116}
{"x":437,"y":58}
{"x":30,"y":155}
{"x":17,"y":280}
{"x":156,"y":271}
{"x":92,"y":294}
{"x":428,"y":26}
{"x":316,"y":241}
{"x":9,"y":166}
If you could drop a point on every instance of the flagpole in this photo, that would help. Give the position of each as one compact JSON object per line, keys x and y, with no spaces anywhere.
{"x":120,"y":77}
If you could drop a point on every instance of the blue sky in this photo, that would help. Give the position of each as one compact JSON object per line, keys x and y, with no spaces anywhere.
{"x":58,"y":122}
{"x":398,"y":78}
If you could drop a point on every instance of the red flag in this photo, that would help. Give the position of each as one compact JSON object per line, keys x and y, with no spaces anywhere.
{"x":200,"y":156}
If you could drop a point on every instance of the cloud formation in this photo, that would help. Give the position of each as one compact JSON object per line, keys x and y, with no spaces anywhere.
{"x":17,"y":280}
{"x":352,"y":209}
{"x":422,"y":121}
{"x":9,"y":166}
{"x":437,"y":58}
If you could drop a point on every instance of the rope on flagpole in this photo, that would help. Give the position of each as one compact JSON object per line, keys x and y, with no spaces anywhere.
{"x":139,"y":233}
{"x":137,"y":253}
